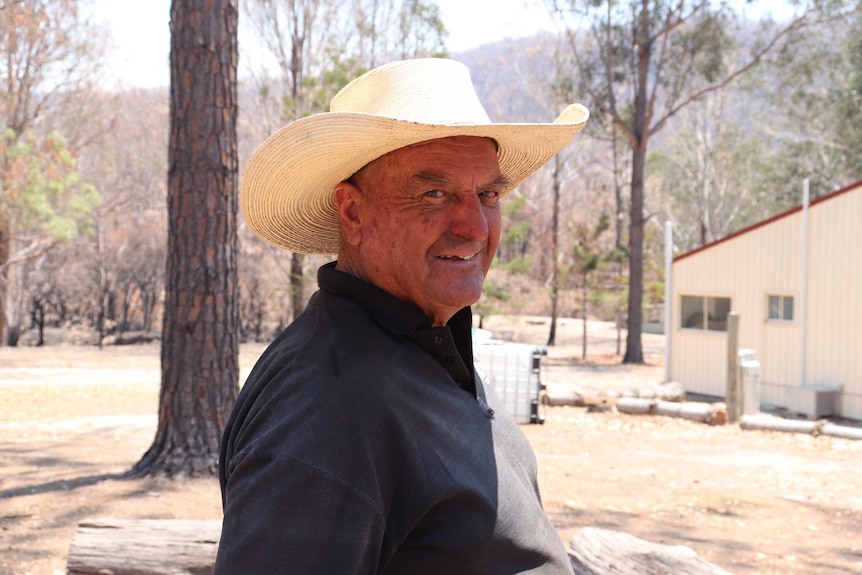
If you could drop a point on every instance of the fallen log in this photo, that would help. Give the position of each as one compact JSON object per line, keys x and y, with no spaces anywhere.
{"x":663,"y":392}
{"x":709,"y":413}
{"x":563,"y":398}
{"x":595,"y":551}
{"x":842,"y":431}
{"x":144,"y":547}
{"x":636,"y":405}
{"x":766,"y":422}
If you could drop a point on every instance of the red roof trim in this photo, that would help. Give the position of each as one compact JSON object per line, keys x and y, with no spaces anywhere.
{"x":768,"y":221}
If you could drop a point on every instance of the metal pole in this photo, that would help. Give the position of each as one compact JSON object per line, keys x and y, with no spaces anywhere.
{"x":803,"y":291}
{"x":732,"y":398}
{"x":668,"y":294}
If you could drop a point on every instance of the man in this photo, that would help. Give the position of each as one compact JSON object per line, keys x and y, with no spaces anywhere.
{"x":363,"y":441}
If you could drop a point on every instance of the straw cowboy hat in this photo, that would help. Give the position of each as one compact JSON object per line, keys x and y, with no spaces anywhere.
{"x":286,"y":193}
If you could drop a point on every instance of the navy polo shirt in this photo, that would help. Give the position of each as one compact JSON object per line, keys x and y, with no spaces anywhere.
{"x":363,"y":442}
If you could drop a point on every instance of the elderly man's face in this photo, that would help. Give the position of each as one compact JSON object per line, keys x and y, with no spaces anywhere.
{"x":423,"y":222}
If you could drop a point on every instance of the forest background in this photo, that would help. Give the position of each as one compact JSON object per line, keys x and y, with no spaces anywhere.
{"x":83,"y":218}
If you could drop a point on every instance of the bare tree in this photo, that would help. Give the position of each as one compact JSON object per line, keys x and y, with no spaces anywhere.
{"x":637,"y":60}
{"x":200,"y":338}
{"x":48,"y":49}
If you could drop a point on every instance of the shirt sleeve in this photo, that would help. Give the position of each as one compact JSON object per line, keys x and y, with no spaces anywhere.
{"x":283,"y":515}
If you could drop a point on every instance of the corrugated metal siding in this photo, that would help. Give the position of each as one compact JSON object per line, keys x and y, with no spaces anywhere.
{"x":835,"y":299}
{"x":767,"y":260}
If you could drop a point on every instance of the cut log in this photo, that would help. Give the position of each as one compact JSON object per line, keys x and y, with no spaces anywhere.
{"x":663,"y":392}
{"x":636,"y":405}
{"x":563,"y":398}
{"x":709,"y":413}
{"x":144,"y":547}
{"x":596,"y":551}
{"x":842,"y":431}
{"x":670,"y":391}
{"x":766,"y":422}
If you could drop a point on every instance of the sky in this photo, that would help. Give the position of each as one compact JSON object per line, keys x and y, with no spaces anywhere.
{"x":141,"y":35}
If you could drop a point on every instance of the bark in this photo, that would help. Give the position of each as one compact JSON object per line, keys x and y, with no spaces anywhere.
{"x":5,"y":253}
{"x":596,"y":551}
{"x":555,"y":253}
{"x":297,"y":284}
{"x":200,"y":336}
{"x":144,"y":547}
{"x":634,"y":349}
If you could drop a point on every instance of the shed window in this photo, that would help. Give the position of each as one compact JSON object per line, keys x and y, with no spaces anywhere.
{"x":705,"y":313}
{"x":780,"y":307}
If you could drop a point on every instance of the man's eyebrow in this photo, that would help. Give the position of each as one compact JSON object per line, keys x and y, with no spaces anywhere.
{"x":434,"y":178}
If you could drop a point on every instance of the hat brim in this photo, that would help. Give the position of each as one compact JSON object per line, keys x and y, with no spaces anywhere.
{"x":286,"y":194}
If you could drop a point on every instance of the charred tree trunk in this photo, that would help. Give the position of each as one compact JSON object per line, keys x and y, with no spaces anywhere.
{"x":634,"y":350}
{"x":640,"y":136}
{"x":555,"y":252}
{"x":200,"y":338}
{"x":297,"y":284}
{"x":5,"y":254}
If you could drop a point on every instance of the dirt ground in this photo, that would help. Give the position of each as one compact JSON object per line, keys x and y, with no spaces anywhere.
{"x":74,"y":419}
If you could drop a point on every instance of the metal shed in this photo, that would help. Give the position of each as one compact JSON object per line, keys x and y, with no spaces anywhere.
{"x":796,"y":282}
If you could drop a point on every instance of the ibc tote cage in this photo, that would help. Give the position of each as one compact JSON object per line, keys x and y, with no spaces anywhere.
{"x":514,"y":371}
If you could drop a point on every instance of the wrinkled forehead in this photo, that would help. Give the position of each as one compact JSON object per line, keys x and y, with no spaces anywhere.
{"x":470,"y":148}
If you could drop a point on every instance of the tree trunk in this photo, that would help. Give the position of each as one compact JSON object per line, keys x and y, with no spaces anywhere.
{"x":16,"y":284}
{"x":200,"y":337}
{"x":555,"y":252}
{"x":297,"y":284}
{"x":584,"y":296}
{"x":5,"y":254}
{"x":634,"y":350}
{"x":640,"y":137}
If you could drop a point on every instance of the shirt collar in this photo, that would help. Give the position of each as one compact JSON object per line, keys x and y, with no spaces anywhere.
{"x":392,"y":313}
{"x":405,"y":318}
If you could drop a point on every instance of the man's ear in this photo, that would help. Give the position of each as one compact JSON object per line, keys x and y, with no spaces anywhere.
{"x":348,"y":199}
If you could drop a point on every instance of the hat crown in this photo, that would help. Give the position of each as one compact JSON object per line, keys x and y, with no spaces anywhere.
{"x":425,"y":90}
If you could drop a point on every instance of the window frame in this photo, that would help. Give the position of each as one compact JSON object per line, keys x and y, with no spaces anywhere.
{"x":707,"y":303}
{"x":783,"y":298}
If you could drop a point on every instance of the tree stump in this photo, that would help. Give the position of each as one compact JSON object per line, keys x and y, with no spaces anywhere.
{"x":144,"y":547}
{"x":604,"y":552}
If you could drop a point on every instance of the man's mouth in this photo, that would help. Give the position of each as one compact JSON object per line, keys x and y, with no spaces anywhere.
{"x":459,"y":258}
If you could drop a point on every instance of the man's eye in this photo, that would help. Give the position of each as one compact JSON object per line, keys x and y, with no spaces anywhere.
{"x":434,"y":194}
{"x":491,"y":195}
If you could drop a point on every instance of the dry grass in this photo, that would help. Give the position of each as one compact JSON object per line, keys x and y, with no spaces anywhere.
{"x":73,"y":419}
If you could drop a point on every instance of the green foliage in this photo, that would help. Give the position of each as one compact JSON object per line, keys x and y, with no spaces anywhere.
{"x":492,"y":296}
{"x":654,"y":292}
{"x":588,"y":252}
{"x":42,"y":193}
{"x":514,"y":205}
{"x":492,"y":291}
{"x":519,"y":265}
{"x":615,"y":255}
{"x":422,"y":32}
{"x":516,"y":233}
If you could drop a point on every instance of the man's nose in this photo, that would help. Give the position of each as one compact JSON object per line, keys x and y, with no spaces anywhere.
{"x":469,"y":219}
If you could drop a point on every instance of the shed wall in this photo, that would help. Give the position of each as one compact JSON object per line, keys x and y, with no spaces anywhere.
{"x":768,"y":260}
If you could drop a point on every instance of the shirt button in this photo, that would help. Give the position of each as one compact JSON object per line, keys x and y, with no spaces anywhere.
{"x":439,"y":339}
